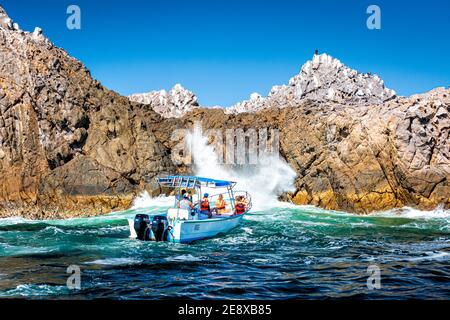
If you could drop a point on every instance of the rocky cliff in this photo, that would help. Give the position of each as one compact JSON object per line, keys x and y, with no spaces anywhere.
{"x":356,"y":158}
{"x":69,"y":146}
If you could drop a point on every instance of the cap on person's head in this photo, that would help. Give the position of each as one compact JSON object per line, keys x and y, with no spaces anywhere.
{"x":206,"y":195}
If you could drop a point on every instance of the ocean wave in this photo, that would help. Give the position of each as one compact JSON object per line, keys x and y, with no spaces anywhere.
{"x":405,"y":212}
{"x":8,"y":250}
{"x":412,"y":213}
{"x":411,"y":256}
{"x":311,"y":223}
{"x":54,"y":230}
{"x":437,"y":255}
{"x":115,"y":261}
{"x":234,"y":240}
{"x":35,"y":290}
{"x":144,"y":200}
{"x":258,"y":260}
{"x":78,"y":221}
{"x":15,"y":220}
{"x":185,"y":258}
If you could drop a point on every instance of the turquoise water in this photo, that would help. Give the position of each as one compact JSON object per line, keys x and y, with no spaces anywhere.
{"x":280,"y":253}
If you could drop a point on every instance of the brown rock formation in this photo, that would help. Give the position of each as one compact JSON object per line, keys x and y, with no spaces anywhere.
{"x":68,"y":146}
{"x":67,"y":143}
{"x":355,"y":158}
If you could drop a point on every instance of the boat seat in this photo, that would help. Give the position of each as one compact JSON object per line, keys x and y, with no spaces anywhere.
{"x":175,"y":213}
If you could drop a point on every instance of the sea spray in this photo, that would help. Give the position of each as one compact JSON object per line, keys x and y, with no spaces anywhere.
{"x":412,"y":213}
{"x":145,"y":201}
{"x":265,"y":181}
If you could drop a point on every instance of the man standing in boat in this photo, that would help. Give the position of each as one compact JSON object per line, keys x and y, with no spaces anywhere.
{"x":186,"y":203}
{"x":180,"y":196}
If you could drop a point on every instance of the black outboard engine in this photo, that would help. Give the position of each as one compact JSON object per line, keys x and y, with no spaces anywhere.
{"x":159,"y":228}
{"x":142,"y":226}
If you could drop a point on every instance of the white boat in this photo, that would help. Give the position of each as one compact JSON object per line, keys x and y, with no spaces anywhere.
{"x":187,"y":225}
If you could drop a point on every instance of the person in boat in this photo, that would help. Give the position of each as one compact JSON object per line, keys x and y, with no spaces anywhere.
{"x":186,"y":203}
{"x":244,"y":201}
{"x":205,"y":209}
{"x":221,"y":205}
{"x":189,"y":194}
{"x":240,"y":206}
{"x":180,"y":196}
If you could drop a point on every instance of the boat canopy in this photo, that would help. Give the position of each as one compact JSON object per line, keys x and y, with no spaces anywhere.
{"x":191,"y":182}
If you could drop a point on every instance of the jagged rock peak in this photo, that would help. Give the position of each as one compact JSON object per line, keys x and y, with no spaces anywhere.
{"x":332,"y":80}
{"x":5,"y":21}
{"x":7,"y":24}
{"x":172,"y":104}
{"x":322,"y":79}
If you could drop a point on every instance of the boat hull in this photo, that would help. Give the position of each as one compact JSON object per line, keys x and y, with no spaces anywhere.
{"x":192,"y":230}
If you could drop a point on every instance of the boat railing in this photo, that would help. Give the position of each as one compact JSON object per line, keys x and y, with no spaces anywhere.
{"x":230,"y":201}
{"x":247,"y":197}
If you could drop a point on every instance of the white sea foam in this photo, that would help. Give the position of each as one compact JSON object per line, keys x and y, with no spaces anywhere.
{"x":265,"y":181}
{"x":13,"y":221}
{"x":413,"y":213}
{"x":146,"y":201}
{"x":27,"y":290}
{"x":53,"y":229}
{"x":184,"y":257}
{"x":115,"y":261}
{"x":439,"y":255}
{"x":248,"y":230}
{"x":12,"y":250}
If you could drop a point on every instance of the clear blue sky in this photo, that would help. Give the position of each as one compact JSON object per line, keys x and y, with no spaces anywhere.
{"x":225,"y":50}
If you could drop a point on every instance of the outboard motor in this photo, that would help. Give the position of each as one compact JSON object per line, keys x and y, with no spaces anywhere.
{"x":142,"y":226}
{"x":159,"y":227}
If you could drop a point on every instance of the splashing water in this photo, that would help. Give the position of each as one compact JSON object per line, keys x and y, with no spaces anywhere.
{"x":285,"y":252}
{"x":280,"y":251}
{"x":146,"y":201}
{"x":264,"y":181}
{"x":408,"y":212}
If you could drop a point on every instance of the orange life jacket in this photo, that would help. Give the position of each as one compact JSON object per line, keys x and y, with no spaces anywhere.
{"x":240,"y":208}
{"x":220,"y":204}
{"x":204,"y":206}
